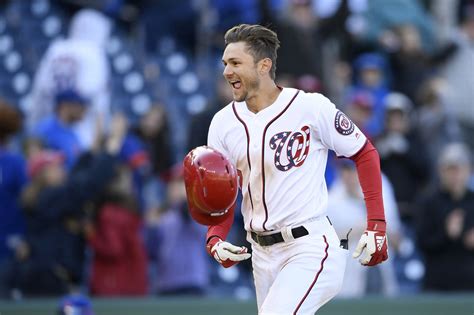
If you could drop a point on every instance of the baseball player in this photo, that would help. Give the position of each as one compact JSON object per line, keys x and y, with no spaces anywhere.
{"x":278,"y":139}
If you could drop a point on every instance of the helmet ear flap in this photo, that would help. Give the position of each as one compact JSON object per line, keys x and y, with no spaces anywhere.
{"x":211,"y":182}
{"x":208,"y":219}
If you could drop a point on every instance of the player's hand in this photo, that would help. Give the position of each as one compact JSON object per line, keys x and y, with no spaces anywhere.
{"x":374,"y":241}
{"x":227,"y":254}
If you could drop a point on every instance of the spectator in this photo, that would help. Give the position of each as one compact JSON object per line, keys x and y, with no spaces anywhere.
{"x":359,"y":108}
{"x":347,"y":211}
{"x":52,"y":252}
{"x":457,"y":72}
{"x":445,"y":225}
{"x":134,"y":154}
{"x":153,"y":132}
{"x":305,"y":36}
{"x":402,"y":155}
{"x":12,"y":181}
{"x":370,"y":74}
{"x":436,"y":123}
{"x":57,"y":132}
{"x":119,"y":263}
{"x":79,"y":63}
{"x":446,"y":15}
{"x":410,"y":64}
{"x":381,"y":16}
{"x":173,"y":237}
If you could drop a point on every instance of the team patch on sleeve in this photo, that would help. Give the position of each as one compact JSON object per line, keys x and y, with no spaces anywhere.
{"x":343,"y":124}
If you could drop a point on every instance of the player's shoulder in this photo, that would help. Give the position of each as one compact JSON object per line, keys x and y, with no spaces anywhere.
{"x":314,"y":100}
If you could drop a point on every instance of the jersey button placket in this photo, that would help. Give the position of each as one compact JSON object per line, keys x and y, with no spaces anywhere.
{"x":256,"y":140}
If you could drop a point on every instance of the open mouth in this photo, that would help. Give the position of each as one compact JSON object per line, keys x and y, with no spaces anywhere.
{"x":236,"y":84}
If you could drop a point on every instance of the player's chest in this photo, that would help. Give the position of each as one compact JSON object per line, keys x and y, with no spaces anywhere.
{"x":278,"y":144}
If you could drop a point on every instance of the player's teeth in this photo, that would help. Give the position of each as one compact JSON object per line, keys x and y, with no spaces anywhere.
{"x":236,"y":84}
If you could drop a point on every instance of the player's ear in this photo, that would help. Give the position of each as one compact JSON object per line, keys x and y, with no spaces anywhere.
{"x":264,"y":66}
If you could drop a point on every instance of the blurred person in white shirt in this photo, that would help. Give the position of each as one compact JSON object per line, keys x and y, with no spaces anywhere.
{"x":78,"y":62}
{"x":347,"y":211}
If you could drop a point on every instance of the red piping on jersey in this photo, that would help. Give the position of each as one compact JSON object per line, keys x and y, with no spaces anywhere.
{"x":316,"y":277}
{"x":251,"y":203}
{"x":246,"y":133}
{"x":263,"y":156}
{"x":248,"y":153}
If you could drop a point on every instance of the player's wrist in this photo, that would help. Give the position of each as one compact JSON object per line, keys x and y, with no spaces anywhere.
{"x":211,"y":241}
{"x":377,"y":225}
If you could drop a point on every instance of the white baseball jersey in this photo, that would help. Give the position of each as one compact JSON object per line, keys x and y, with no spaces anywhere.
{"x":281,"y":152}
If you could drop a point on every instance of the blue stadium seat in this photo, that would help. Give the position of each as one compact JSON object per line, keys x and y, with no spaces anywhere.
{"x":114,"y":45}
{"x":21,"y":83}
{"x":12,"y":61}
{"x":6,"y":43}
{"x":52,"y":26}
{"x":122,"y":63}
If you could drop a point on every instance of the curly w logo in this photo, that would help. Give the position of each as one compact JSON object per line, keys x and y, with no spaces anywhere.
{"x":294,"y":145}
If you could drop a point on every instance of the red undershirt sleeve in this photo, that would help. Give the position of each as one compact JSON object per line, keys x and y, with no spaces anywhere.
{"x":219,"y":231}
{"x":367,"y":162}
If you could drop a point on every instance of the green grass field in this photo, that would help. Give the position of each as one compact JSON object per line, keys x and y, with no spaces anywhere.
{"x":418,"y":305}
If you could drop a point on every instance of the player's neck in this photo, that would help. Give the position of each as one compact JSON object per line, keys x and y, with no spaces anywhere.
{"x":264,"y":97}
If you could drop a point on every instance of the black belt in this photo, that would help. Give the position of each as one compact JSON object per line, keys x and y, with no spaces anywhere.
{"x":270,"y":239}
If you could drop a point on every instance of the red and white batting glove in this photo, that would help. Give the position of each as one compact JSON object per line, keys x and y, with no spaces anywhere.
{"x":374,"y":241}
{"x":225,"y":253}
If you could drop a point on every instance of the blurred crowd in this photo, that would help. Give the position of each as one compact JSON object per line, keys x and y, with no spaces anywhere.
{"x":91,"y":189}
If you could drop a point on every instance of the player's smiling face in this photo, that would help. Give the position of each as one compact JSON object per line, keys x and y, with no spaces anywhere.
{"x":240,"y":70}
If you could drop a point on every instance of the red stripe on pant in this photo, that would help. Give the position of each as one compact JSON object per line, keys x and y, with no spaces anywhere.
{"x":316,"y":277}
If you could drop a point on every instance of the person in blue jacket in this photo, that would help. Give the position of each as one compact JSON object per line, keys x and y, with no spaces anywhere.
{"x":12,"y":181}
{"x":57,"y":131}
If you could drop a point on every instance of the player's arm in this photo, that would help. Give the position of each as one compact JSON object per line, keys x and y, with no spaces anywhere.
{"x":374,"y":239}
{"x":224,"y":252}
{"x":337,"y":132}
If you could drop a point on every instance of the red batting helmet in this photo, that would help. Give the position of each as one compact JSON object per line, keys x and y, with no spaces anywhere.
{"x":211,"y":185}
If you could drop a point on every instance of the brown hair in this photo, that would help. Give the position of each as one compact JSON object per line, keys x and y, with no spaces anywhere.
{"x":261,"y":42}
{"x":10,"y":121}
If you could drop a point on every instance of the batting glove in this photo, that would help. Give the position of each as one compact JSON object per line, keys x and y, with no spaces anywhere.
{"x":225,"y":253}
{"x":374,"y":241}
